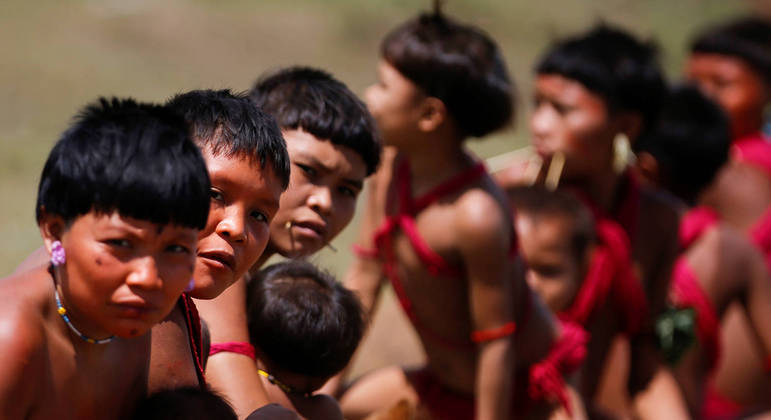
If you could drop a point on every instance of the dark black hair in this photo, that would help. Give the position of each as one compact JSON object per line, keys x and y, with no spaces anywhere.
{"x":539,"y":202}
{"x":229,"y":125}
{"x":690,"y":142}
{"x":747,"y":38}
{"x":303,"y":320}
{"x":132,"y":157}
{"x":458,"y":64}
{"x":188,"y":403}
{"x":614,"y":65}
{"x":312,"y":100}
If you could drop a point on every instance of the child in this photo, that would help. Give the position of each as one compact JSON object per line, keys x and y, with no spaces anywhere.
{"x":304,"y":326}
{"x":595,"y":93}
{"x":445,"y":238}
{"x":248,"y":165}
{"x":556,"y":238}
{"x":120,"y":202}
{"x":731,"y":62}
{"x":190,"y":403}
{"x":689,"y":143}
{"x":332,"y":147}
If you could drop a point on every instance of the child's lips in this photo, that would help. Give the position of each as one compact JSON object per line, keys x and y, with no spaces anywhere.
{"x":220,"y":259}
{"x":308,"y":228}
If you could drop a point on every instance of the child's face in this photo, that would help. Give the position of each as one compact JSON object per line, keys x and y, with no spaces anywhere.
{"x":553,"y":270}
{"x":123,"y":275}
{"x":244,"y":199}
{"x":569,"y":118}
{"x":736,"y":86}
{"x":395,"y":103}
{"x":324,"y":183}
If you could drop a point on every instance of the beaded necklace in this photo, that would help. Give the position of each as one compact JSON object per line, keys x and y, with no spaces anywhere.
{"x":63,"y":313}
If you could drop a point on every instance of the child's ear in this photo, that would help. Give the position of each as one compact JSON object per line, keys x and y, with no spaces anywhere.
{"x":433,"y":114}
{"x":648,"y":167}
{"x":51,"y":228}
{"x":631,"y":124}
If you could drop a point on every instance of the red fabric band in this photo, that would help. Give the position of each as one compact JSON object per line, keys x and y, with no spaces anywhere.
{"x":237,"y":347}
{"x":505,"y":330}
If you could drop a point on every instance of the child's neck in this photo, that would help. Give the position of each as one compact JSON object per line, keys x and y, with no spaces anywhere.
{"x":601,"y":189}
{"x":435,"y":158}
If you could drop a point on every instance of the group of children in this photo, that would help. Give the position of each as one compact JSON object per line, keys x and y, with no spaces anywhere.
{"x":576,"y":283}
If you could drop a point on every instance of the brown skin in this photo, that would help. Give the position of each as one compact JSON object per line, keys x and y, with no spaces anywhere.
{"x":244,"y":199}
{"x":741,"y":193}
{"x":324,"y":184}
{"x":735,"y":85}
{"x":732,"y":272}
{"x":470,"y":229}
{"x":121,"y":277}
{"x":571,"y":119}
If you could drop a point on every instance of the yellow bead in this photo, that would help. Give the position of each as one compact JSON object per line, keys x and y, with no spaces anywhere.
{"x":62,"y":311}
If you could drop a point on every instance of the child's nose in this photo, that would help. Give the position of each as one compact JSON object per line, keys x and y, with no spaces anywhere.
{"x":144,"y":274}
{"x":321,"y":200}
{"x":232,"y":226}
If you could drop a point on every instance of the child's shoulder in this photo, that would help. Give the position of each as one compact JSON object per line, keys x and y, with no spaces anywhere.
{"x":22,"y":337}
{"x":482,"y":212}
{"x":25,"y":298}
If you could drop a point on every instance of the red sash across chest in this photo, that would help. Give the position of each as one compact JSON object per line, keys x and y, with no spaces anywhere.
{"x":686,"y":291}
{"x":404,"y":219}
{"x":193,"y":324}
{"x":610,"y":270}
{"x":755,"y":150}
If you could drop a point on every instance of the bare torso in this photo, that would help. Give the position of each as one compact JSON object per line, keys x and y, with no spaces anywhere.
{"x":53,"y":373}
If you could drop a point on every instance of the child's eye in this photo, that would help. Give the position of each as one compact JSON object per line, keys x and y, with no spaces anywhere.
{"x":216,"y":195}
{"x":259,"y":216}
{"x":178,"y":249}
{"x":349,"y":192}
{"x":309,"y":171}
{"x":121,"y":243}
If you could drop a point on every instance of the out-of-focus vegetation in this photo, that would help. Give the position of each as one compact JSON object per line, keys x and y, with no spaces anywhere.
{"x":58,"y":55}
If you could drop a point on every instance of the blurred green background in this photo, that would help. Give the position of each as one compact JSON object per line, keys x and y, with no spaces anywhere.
{"x":58,"y":55}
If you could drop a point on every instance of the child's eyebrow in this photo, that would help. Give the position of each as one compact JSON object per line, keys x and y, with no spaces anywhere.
{"x":359,"y":184}
{"x":315,"y":162}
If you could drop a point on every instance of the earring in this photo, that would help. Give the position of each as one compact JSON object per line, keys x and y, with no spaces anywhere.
{"x":190,"y":286}
{"x":58,"y":257}
{"x":622,"y":152}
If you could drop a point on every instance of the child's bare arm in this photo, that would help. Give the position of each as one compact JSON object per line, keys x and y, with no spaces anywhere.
{"x":234,"y":375}
{"x":365,"y":275}
{"x":484,"y":239}
{"x":757,"y":298}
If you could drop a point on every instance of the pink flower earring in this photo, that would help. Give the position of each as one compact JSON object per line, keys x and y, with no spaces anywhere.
{"x":58,"y":257}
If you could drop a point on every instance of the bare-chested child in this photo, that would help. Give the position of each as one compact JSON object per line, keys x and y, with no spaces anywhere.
{"x":440,"y":230}
{"x":249,"y":168}
{"x":121,"y":199}
{"x":304,"y":326}
{"x":596,"y":92}
{"x":731,"y":62}
{"x":556,"y":237}
{"x":332,"y":147}
{"x":687,"y":146}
